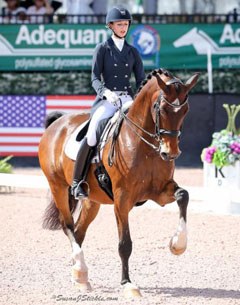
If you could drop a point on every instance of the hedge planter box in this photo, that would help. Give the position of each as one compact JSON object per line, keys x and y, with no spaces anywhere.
{"x":222,"y":187}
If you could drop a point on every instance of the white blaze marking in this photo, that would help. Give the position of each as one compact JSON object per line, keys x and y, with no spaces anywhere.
{"x":176,"y":102}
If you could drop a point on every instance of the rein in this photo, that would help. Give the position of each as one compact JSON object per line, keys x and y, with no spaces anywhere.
{"x":130,"y":123}
{"x":159,"y":132}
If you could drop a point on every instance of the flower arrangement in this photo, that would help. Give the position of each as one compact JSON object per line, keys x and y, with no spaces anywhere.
{"x":225,"y":147}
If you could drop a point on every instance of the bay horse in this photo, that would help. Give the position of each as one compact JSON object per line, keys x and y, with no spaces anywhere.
{"x":142,"y":169}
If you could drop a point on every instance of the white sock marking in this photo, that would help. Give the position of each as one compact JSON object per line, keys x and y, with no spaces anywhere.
{"x":179,"y":240}
{"x":78,"y":257}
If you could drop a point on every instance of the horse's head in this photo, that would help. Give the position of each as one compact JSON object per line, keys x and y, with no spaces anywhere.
{"x":187,"y":39}
{"x":169,"y":106}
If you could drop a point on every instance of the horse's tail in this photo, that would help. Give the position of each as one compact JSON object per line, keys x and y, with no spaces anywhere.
{"x":51,"y":117}
{"x":51,"y":220}
{"x":51,"y":217}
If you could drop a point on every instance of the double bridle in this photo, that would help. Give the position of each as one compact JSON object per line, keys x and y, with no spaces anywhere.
{"x":159,"y":132}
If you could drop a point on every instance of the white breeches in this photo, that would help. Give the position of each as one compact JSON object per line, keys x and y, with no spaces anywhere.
{"x":106,"y":110}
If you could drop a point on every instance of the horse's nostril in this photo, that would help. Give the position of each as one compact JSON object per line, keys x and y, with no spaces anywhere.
{"x":168,"y":157}
{"x":164,"y":156}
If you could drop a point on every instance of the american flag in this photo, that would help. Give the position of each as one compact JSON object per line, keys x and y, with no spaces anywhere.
{"x":22,"y":119}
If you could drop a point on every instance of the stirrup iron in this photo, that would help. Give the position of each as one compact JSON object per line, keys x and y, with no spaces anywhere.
{"x":79,"y":189}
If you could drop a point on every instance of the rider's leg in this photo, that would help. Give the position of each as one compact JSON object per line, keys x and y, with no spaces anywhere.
{"x":80,"y":170}
{"x":106,"y":110}
{"x":86,"y":150}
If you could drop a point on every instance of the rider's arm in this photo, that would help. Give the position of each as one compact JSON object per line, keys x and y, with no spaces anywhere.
{"x":138,"y":68}
{"x":97,"y":69}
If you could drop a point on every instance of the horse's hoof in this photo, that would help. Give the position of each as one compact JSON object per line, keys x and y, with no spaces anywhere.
{"x":131,"y":291}
{"x":80,"y":280}
{"x":175,"y":250}
{"x":83,"y":287}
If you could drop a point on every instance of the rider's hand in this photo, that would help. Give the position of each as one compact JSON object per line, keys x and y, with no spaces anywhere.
{"x":111,"y":97}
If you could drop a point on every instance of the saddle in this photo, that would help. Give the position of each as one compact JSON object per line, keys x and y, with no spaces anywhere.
{"x":107,"y":128}
{"x":104,"y":132}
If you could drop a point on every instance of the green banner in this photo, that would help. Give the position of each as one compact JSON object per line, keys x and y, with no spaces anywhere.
{"x":48,"y":47}
{"x":55,"y":47}
{"x":187,"y":46}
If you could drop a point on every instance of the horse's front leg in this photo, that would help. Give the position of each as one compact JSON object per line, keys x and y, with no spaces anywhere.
{"x":178,"y":242}
{"x":125,"y":249}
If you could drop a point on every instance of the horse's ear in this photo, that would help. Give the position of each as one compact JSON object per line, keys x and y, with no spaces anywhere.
{"x":192,"y":81}
{"x":161,"y":84}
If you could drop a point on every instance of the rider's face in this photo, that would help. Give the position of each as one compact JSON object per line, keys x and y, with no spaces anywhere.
{"x":120,"y":27}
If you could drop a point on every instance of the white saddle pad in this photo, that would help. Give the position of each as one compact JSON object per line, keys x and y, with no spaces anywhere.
{"x":72,"y":146}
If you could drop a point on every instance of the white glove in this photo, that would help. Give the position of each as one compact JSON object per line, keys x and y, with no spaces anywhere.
{"x":111,"y":96}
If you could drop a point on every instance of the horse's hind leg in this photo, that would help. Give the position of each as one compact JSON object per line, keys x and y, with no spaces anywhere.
{"x":178,"y":242}
{"x":88,"y":213}
{"x":62,"y":200}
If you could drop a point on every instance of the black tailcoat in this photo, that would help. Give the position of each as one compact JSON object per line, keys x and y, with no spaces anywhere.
{"x":112,"y":68}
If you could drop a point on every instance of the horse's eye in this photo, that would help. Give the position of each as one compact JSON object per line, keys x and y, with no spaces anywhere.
{"x":163,"y":111}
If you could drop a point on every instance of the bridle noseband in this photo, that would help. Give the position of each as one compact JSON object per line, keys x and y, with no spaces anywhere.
{"x":161,"y":131}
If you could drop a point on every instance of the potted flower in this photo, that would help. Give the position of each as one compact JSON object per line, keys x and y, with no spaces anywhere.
{"x":224,"y":149}
{"x":221,"y":163}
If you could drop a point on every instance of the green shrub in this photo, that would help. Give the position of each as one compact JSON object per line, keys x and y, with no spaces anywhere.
{"x":5,"y":167}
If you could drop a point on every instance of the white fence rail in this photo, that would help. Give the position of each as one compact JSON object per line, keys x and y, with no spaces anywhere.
{"x":201,"y":198}
{"x":24,"y":181}
{"x":40,"y":182}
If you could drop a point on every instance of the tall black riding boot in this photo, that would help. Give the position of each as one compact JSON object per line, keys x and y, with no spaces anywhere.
{"x":80,"y":171}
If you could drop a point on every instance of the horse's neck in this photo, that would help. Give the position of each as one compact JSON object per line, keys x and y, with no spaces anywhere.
{"x":140,"y":112}
{"x":140,"y":123}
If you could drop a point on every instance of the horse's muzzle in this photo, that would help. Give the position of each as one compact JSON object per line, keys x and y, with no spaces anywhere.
{"x":169,"y":157}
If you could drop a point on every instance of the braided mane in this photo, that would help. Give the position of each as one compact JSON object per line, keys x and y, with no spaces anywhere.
{"x":150,"y":75}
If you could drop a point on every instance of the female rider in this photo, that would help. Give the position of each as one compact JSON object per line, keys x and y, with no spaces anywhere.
{"x":113,"y":63}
